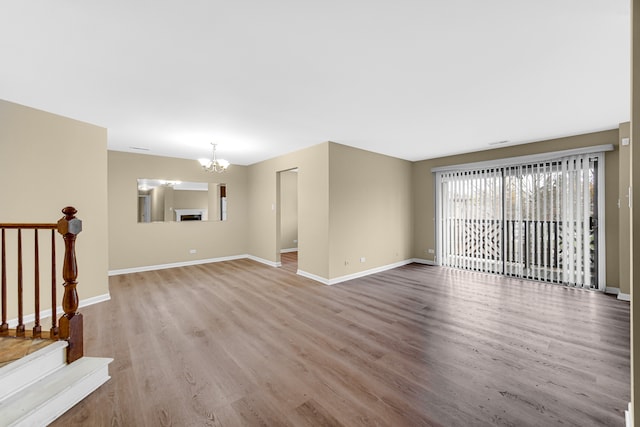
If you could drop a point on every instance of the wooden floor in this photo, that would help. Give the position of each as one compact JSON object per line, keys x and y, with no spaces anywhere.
{"x":289,"y":261}
{"x":239,"y":343}
{"x":12,"y":349}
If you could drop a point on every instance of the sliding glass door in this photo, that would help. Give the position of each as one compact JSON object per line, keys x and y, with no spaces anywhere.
{"x":471,"y":220}
{"x":536,"y":221}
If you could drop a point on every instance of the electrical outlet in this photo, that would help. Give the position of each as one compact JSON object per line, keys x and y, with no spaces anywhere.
{"x":192,"y":251}
{"x":431,"y":251}
{"x":362,"y":259}
{"x":346,"y":262}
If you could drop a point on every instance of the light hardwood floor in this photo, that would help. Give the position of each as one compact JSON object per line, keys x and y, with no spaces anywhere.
{"x":239,"y":343}
{"x":12,"y":349}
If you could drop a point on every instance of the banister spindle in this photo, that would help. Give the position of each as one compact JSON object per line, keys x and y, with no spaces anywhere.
{"x":20,"y":326}
{"x":4,"y":327}
{"x":71,"y":321}
{"x":54,"y":332}
{"x":37,"y":329}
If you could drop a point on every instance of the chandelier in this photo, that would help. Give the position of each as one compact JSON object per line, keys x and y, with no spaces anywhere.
{"x":214,"y":164}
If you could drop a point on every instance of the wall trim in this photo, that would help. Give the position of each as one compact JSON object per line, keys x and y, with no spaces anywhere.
{"x":357,"y":275}
{"x":424,"y":261}
{"x":616,"y":291}
{"x":175,"y":264}
{"x":45,"y":314}
{"x":93,"y":300}
{"x":370,"y":271}
{"x":628,"y":416}
{"x":624,"y":297}
{"x":313,"y":277}
{"x":194,"y":262}
{"x":284,"y":251}
{"x":264,"y":261}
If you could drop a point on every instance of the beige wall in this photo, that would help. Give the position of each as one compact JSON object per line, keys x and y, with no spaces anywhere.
{"x":370,"y":210}
{"x":46,"y":163}
{"x":352,"y":204}
{"x":288,"y":210}
{"x":634,"y":182}
{"x":313,"y":211}
{"x":192,"y":199}
{"x":424,"y":191}
{"x":132,"y":244}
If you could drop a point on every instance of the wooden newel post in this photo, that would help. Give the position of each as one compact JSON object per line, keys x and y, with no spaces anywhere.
{"x":71,"y":321}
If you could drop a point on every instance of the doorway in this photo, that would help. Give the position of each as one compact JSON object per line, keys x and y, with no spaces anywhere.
{"x":288,"y":219}
{"x":144,"y":208}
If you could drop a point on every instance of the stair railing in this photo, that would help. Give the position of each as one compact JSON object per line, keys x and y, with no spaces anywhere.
{"x":69,"y":327}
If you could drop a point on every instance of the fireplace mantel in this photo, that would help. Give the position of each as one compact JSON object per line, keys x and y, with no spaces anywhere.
{"x":180,"y":213}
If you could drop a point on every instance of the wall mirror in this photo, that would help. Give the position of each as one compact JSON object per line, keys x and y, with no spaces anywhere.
{"x":162,"y":200}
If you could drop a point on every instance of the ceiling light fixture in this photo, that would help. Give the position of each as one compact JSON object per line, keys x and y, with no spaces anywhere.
{"x":214,"y":164}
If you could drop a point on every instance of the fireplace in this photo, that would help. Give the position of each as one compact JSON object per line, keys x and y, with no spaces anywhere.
{"x":191,"y":215}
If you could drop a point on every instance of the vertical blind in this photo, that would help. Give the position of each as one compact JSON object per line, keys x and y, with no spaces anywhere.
{"x":536,"y":221}
{"x":471,"y":215}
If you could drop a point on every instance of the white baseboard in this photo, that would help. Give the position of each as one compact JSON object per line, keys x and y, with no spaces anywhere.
{"x":94,"y":300}
{"x":624,"y":297}
{"x":354,"y":275}
{"x":370,"y":271}
{"x":175,"y":264}
{"x":424,"y":261}
{"x":44,"y":314}
{"x":264,"y":261}
{"x":313,"y":277}
{"x":616,"y":291}
{"x":628,"y":416}
{"x":271,"y":264}
{"x":284,"y":251}
{"x":194,"y":262}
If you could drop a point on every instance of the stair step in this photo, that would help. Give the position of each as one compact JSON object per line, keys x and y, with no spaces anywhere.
{"x":45,"y":400}
{"x":20,"y":374}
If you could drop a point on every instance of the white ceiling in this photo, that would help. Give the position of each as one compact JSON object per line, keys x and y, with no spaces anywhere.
{"x":413,"y":79}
